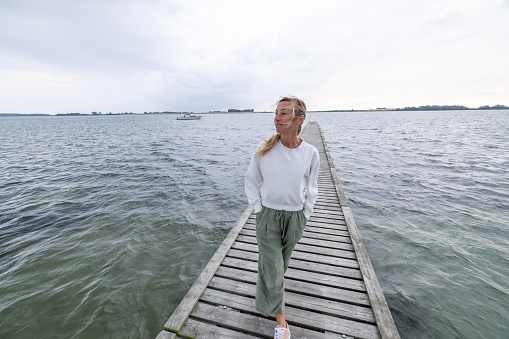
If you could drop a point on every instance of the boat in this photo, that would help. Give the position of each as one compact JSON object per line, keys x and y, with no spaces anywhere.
{"x":189,"y":116}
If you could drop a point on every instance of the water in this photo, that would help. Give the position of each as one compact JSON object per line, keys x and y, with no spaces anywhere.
{"x":106,"y":221}
{"x":429,"y":191}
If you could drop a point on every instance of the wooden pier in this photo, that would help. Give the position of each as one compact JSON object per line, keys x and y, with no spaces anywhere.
{"x":331,"y":290}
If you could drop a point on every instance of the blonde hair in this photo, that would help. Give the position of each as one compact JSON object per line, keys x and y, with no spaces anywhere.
{"x":298,"y":109}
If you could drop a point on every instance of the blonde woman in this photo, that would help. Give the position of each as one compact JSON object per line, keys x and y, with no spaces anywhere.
{"x":281,"y":184}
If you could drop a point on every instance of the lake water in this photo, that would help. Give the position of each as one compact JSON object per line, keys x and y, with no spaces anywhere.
{"x":106,"y":221}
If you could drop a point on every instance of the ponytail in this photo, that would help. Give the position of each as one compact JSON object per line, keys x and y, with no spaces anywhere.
{"x":269,"y":144}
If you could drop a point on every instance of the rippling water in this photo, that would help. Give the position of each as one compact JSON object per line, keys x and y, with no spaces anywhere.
{"x":105,"y":221}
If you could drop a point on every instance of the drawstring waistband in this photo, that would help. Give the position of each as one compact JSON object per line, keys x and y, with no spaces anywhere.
{"x":281,"y":215}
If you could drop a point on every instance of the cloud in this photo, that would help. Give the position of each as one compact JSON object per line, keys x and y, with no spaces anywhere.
{"x":90,"y":34}
{"x":134,"y":55}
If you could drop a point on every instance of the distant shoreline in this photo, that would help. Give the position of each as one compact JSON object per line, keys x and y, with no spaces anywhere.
{"x":406,"y":109}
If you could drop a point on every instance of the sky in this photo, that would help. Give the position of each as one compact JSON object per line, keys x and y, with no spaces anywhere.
{"x":61,"y":56}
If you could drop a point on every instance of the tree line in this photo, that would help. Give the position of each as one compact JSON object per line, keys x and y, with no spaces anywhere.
{"x":448,"y":108}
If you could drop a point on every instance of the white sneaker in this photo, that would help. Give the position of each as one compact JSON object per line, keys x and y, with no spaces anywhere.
{"x":282,"y":332}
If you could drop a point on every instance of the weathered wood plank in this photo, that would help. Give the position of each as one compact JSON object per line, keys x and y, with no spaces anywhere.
{"x":330,"y":206}
{"x":202,"y":330}
{"x":328,"y":189}
{"x":313,"y":227}
{"x":302,"y":246}
{"x":166,"y":335}
{"x":246,"y":304}
{"x":328,"y":195}
{"x":328,"y":198}
{"x":308,"y":234}
{"x":320,"y":211}
{"x":340,"y":225}
{"x":325,"y":243}
{"x":312,"y":266}
{"x":328,"y":221}
{"x":332,"y":293}
{"x":326,"y":186}
{"x":305,"y":275}
{"x":322,"y":253}
{"x":321,"y":236}
{"x":325,"y":199}
{"x":238,"y":289}
{"x":324,"y":212}
{"x":249,"y":323}
{"x":337,"y":225}
{"x":334,"y":231}
{"x":331,"y":324}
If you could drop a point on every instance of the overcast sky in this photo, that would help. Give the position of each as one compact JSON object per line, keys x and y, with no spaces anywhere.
{"x":203,"y":55}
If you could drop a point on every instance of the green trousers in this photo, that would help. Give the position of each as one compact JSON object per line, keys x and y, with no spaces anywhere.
{"x":277,"y":233}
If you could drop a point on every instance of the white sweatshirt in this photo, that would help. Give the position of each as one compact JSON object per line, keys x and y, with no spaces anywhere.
{"x":284,"y":179}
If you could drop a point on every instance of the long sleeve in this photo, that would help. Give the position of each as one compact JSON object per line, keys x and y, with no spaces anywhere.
{"x":253,"y":183}
{"x":312,"y":186}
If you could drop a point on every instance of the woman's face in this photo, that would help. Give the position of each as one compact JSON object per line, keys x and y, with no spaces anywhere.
{"x":284,"y":117}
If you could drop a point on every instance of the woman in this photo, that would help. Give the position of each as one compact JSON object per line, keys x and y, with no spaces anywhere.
{"x":281,"y":184}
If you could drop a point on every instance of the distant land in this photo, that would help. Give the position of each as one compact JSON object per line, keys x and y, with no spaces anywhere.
{"x":22,"y":114}
{"x":426,"y":108}
{"x":234,"y":110}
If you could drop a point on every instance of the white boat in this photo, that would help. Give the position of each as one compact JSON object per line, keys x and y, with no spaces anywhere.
{"x":189,"y":116}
